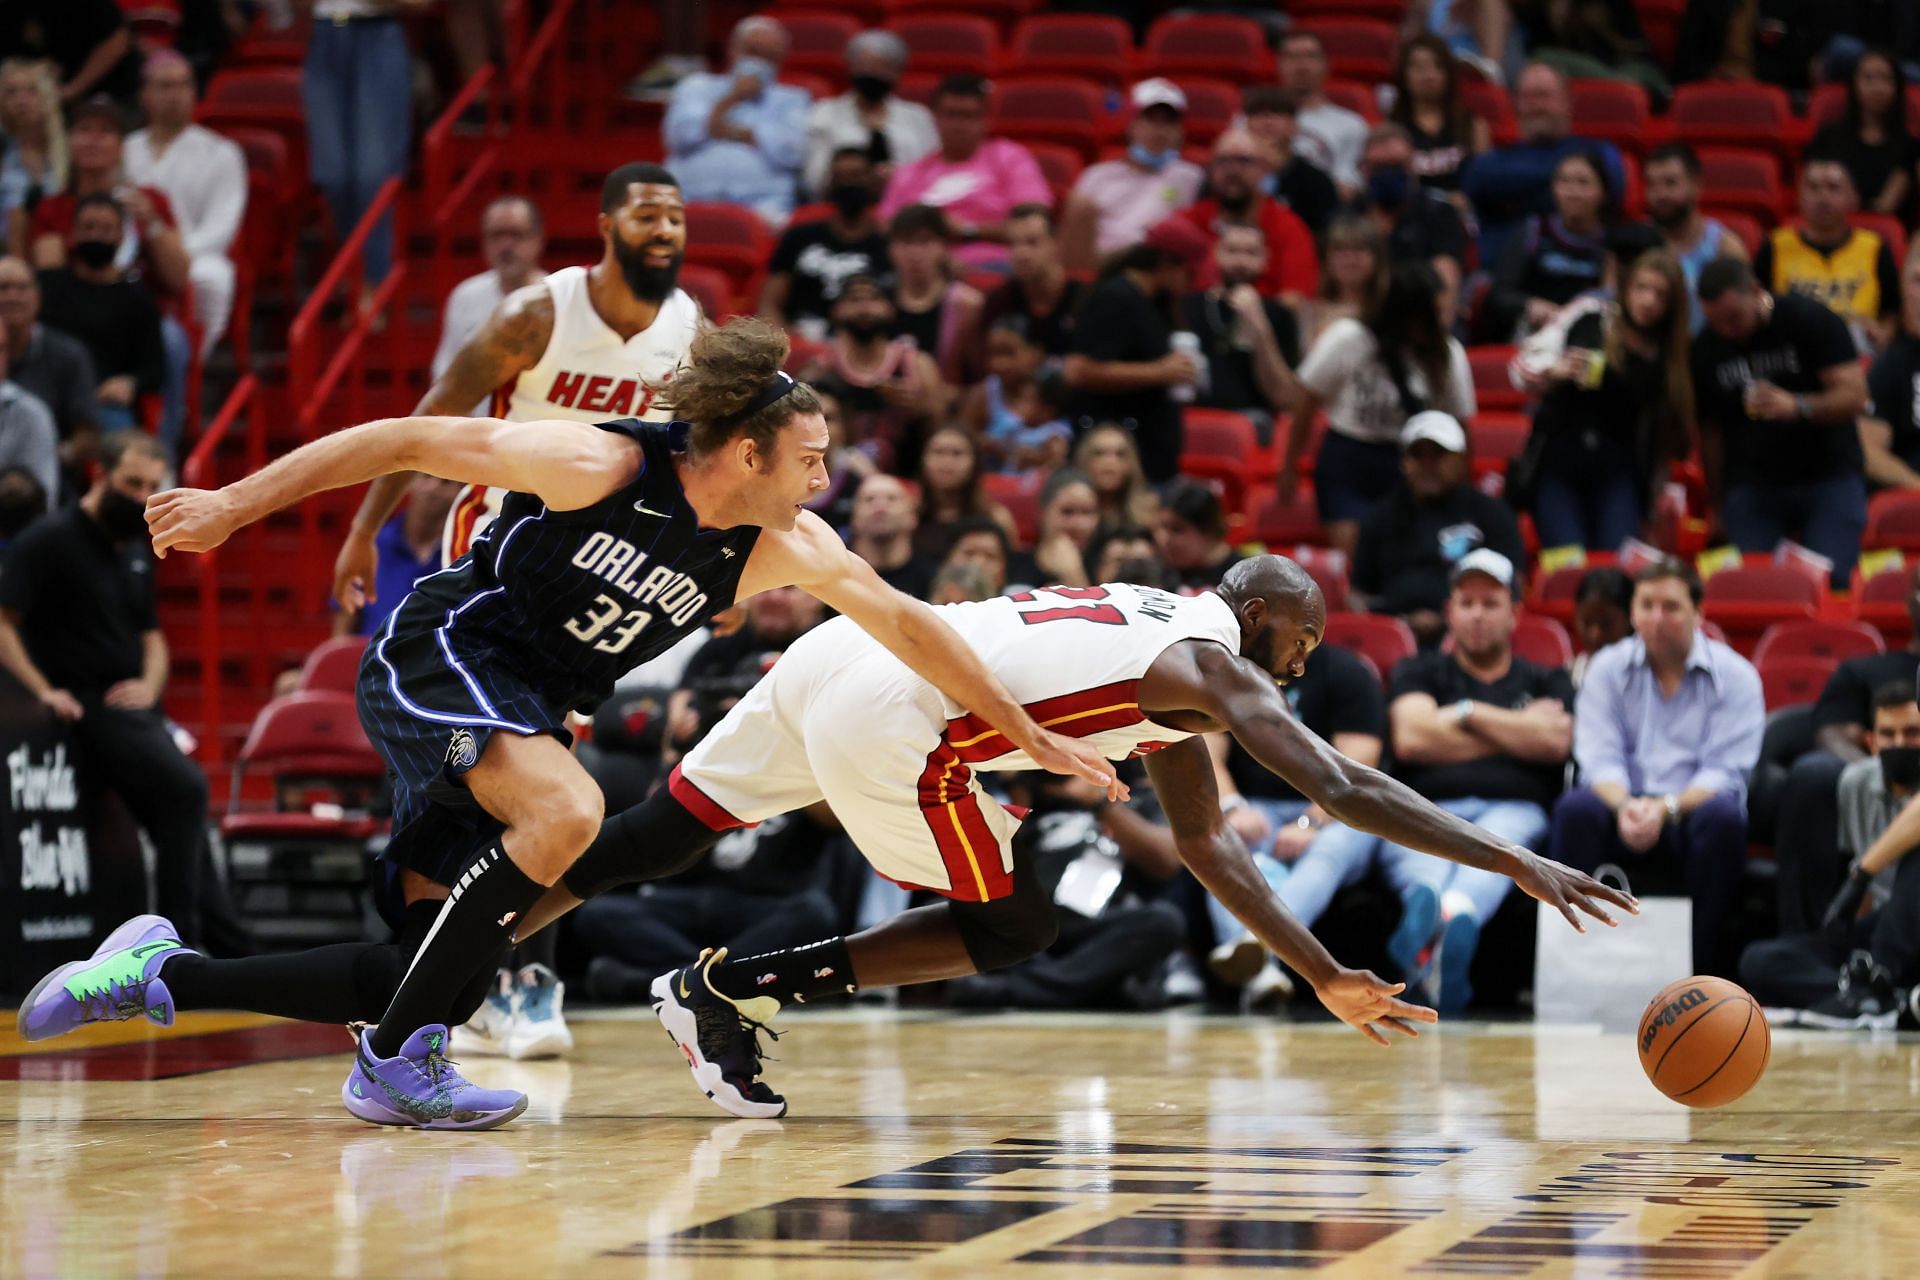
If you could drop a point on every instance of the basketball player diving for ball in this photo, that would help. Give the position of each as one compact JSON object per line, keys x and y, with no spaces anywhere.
{"x":1131,"y":671}
{"x":614,"y":542}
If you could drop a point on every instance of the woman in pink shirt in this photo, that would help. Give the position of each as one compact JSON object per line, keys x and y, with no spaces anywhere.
{"x":974,"y":179}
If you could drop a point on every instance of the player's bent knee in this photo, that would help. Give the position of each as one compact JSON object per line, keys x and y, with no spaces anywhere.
{"x":1008,"y":930}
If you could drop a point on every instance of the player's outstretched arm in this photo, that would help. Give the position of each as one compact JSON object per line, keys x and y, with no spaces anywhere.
{"x":813,"y":558}
{"x":568,"y":465}
{"x":1183,"y":779}
{"x":1245,"y":700}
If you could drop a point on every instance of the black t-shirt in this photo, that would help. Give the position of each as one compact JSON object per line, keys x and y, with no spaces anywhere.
{"x":1338,"y":694}
{"x":1869,"y":164}
{"x":1439,"y":157}
{"x":117,"y":323}
{"x":1495,"y":777}
{"x":84,"y":601}
{"x":1628,"y":390}
{"x":1428,"y":228}
{"x":1230,"y":379}
{"x":1406,"y":550}
{"x":1119,"y":323}
{"x":68,"y":31}
{"x":1199,"y":581}
{"x":1893,"y":384}
{"x":1053,"y":331}
{"x":1789,"y":350}
{"x":1848,"y":697}
{"x":913,"y":576}
{"x":819,"y":262}
{"x":922,"y":326}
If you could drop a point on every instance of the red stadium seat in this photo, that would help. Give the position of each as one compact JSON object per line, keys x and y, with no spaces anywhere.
{"x":1002,"y":13}
{"x":1893,"y":520}
{"x":1211,"y":107}
{"x":1498,"y":438}
{"x":817,"y":41}
{"x":1794,"y":681}
{"x":1492,"y":385}
{"x":1061,"y":165}
{"x":1069,"y":44}
{"x":1381,"y":10}
{"x":1748,"y":228}
{"x":1357,"y":48}
{"x":1283,"y":524}
{"x":729,"y":238}
{"x":1063,"y":111}
{"x":1745,"y":601}
{"x":309,"y":738}
{"x":1020,"y":495}
{"x":1615,"y":111}
{"x":334,"y":666}
{"x":1724,"y":113}
{"x":1218,"y":45}
{"x":1220,"y":445}
{"x":1542,"y":641}
{"x":917,"y":86}
{"x":1883,"y":601}
{"x":1328,"y":568}
{"x":1384,"y":640}
{"x":1551,"y":594}
{"x":1836,"y":641}
{"x":1748,"y":181}
{"x":711,"y":288}
{"x":1489,"y":102}
{"x":1356,"y":97}
{"x":948,"y":43}
{"x":268,"y":97}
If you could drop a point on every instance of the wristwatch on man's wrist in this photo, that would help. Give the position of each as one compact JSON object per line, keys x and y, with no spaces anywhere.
{"x":1461,"y":711}
{"x":1672,"y":803}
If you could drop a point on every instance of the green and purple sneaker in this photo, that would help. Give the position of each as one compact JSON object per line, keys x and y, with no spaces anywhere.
{"x":120,"y":980}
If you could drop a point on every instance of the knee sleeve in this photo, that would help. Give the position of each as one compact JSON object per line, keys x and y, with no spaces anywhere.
{"x":651,"y":841}
{"x":1011,"y":929}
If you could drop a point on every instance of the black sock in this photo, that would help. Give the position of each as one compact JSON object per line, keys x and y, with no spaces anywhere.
{"x":654,"y":839}
{"x":472,"y":928}
{"x":796,"y":974}
{"x":347,"y":982}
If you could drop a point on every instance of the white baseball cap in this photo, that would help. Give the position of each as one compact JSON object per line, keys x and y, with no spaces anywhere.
{"x":1485,"y":560}
{"x":1158,"y":92}
{"x":1436,"y":427}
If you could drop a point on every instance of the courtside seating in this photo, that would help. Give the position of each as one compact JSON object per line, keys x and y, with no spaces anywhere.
{"x":333,"y":666}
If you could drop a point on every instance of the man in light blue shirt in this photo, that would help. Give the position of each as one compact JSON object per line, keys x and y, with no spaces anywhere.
{"x":1666,"y":729}
{"x":739,"y":136}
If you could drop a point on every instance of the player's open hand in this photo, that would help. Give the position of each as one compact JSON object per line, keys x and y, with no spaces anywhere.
{"x":1361,"y":998}
{"x":1564,"y":889}
{"x":190,"y":520}
{"x":1075,"y":759}
{"x":354,"y":570}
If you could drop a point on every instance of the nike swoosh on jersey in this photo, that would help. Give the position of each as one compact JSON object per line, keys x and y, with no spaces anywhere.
{"x":646,"y":510}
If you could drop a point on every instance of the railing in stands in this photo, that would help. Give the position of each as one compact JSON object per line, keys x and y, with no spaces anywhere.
{"x":199,"y":473}
{"x":521,"y":84}
{"x":436,"y":146}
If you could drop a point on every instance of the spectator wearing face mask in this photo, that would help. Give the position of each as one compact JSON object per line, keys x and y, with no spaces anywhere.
{"x":869,"y":118}
{"x":815,"y":259}
{"x":1420,"y":222}
{"x":740,"y":135}
{"x":115,"y":319}
{"x":1115,"y":202}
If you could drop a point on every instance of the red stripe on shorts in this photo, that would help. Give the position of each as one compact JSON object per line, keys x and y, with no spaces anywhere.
{"x":1072,"y":715}
{"x":953,"y":816}
{"x":701,"y":805}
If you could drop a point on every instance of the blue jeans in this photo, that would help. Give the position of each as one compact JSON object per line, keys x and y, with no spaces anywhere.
{"x":1828,"y":515}
{"x":1338,"y":856}
{"x":1586,"y":492}
{"x":1516,"y":821}
{"x":1350,"y":477}
{"x":173,"y":386}
{"x":359,"y":94}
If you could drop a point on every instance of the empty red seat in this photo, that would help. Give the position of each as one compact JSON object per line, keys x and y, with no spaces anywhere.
{"x":1280,"y":524}
{"x":1836,"y":641}
{"x":817,"y":41}
{"x":264,"y":97}
{"x":1357,"y":48}
{"x":948,"y":43}
{"x":1893,"y":520}
{"x":1723,"y":113}
{"x":1384,"y":640}
{"x":1020,"y":496}
{"x":1211,"y":107}
{"x":1069,"y":44}
{"x":711,"y":287}
{"x":1883,"y":600}
{"x":1745,"y":601}
{"x":1002,"y":13}
{"x":1616,"y":111}
{"x":1056,"y":109}
{"x":1492,"y":383}
{"x":1748,"y":228}
{"x":1794,"y":681}
{"x":1490,"y":102}
{"x":333,"y":667}
{"x":308,"y":739}
{"x":1746,"y":180}
{"x":729,"y":238}
{"x":1207,"y":45}
{"x":1382,"y":10}
{"x":1499,"y":436}
{"x":1328,"y":569}
{"x":1542,"y":641}
{"x":1220,"y":445}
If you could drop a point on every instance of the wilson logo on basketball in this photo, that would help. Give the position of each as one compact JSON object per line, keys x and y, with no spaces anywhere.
{"x":1692,"y":998}
{"x":598,"y":393}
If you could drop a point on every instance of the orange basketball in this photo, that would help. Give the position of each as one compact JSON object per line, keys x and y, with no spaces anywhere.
{"x":1704,"y":1042}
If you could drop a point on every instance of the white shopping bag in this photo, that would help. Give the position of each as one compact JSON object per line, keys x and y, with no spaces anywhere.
{"x":1608,"y":975}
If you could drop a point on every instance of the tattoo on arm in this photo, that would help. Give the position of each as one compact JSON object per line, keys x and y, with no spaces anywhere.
{"x":507,"y":345}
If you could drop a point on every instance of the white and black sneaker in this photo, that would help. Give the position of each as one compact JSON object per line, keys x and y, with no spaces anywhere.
{"x":489,"y":1031}
{"x":720,"y":1037}
{"x":1865,"y":1000}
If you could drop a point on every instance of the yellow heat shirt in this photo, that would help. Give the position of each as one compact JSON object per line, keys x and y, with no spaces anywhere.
{"x":1856,"y":279}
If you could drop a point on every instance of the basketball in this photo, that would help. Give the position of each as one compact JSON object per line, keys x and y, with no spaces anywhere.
{"x":1704,"y":1042}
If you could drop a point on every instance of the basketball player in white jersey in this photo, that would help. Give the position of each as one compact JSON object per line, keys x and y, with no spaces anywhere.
{"x":1131,"y":671}
{"x":581,"y":345}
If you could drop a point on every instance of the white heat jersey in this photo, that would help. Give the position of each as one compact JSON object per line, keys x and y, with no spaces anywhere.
{"x":1074,"y":657}
{"x":586,"y":374}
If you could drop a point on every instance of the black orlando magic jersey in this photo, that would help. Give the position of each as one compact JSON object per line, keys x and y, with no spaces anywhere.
{"x":572,"y":600}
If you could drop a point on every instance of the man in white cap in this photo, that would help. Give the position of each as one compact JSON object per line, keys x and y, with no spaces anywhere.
{"x":1409,"y":544}
{"x":1114,"y":202}
{"x":1486,"y":736}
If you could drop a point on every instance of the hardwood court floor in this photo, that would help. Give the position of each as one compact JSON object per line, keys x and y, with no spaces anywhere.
{"x":1010,"y":1145}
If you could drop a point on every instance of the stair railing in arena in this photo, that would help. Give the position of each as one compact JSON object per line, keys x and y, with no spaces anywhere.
{"x":199,"y":473}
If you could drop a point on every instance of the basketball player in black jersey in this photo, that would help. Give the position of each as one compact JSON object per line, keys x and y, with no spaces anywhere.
{"x":618,"y":540}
